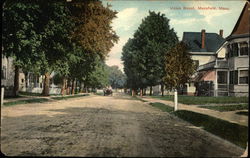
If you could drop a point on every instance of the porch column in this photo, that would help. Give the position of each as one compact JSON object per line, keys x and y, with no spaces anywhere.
{"x":216,"y":84}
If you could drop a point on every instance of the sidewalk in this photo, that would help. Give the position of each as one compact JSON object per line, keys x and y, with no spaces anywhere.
{"x":228,"y":116}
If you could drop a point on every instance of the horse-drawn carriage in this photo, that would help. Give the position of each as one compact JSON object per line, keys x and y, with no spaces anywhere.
{"x":107,"y":92}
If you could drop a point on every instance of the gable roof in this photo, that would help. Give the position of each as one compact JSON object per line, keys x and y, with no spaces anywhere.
{"x":213,"y":41}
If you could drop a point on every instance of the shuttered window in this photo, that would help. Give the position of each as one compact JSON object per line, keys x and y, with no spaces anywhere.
{"x":243,"y":77}
{"x":243,"y":48}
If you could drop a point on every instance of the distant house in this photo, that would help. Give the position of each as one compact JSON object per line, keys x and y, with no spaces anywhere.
{"x":202,"y":48}
{"x":27,"y":83}
{"x":230,"y":68}
{"x":7,"y":75}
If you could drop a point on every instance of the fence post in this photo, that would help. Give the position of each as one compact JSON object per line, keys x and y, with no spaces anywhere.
{"x":175,"y":100}
{"x":2,"y":95}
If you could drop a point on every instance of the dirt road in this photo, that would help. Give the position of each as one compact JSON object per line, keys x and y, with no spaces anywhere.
{"x":103,"y":126}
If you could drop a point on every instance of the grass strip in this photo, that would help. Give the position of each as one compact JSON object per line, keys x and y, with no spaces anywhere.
{"x":162,"y":107}
{"x":232,"y":132}
{"x":36,"y":100}
{"x":199,"y":100}
{"x":41,"y":100}
{"x":227,"y":107}
{"x":68,"y":97}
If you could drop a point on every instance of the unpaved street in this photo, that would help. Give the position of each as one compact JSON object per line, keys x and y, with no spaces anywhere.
{"x":103,"y":126}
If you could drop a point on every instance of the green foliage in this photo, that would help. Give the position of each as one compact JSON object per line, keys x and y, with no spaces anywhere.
{"x":143,"y":55}
{"x":20,"y":36}
{"x":98,"y":78}
{"x":179,"y":66}
{"x":116,"y":77}
{"x":67,"y":38}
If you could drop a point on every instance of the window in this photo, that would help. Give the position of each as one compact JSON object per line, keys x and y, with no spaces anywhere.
{"x":233,"y":77}
{"x":243,"y":76}
{"x":243,"y":48}
{"x":3,"y":72}
{"x":235,"y":50}
{"x":222,"y":77}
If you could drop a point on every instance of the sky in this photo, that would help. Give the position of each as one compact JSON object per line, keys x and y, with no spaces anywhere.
{"x":131,"y":12}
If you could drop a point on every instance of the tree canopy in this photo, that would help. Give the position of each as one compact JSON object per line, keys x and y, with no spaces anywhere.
{"x":116,"y":77}
{"x":179,"y":66}
{"x":70,"y":38}
{"x":143,"y":55}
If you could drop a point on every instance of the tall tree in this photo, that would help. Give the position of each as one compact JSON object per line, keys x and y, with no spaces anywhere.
{"x":55,"y":27}
{"x":20,"y":37}
{"x":179,"y":67}
{"x":153,"y":39}
{"x":130,"y":60}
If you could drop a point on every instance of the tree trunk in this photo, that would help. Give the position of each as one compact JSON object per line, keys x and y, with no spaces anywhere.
{"x":63,"y":86}
{"x":150,"y":93}
{"x":76,"y":87}
{"x":73,"y":87}
{"x":145,"y":91}
{"x":162,"y":89}
{"x":46,"y":85}
{"x":16,"y":81}
{"x":68,"y":87}
{"x":141,"y":93}
{"x":81,"y":88}
{"x":133,"y":92}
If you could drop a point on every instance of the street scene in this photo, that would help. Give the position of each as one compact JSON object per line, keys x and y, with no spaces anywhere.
{"x":110,"y":78}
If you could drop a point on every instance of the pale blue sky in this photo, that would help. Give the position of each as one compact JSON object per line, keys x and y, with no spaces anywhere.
{"x":131,"y":13}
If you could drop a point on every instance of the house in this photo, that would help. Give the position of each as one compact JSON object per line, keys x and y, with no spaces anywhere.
{"x":7,"y":75}
{"x":202,"y":48}
{"x":231,"y":66}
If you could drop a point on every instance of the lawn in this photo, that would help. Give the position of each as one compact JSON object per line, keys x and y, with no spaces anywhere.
{"x":199,"y":100}
{"x":163,"y":107}
{"x":42,"y":100}
{"x":227,"y":107}
{"x":27,"y":101}
{"x":232,"y":132}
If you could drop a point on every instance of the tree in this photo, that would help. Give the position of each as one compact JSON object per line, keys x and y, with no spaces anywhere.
{"x":21,"y":39}
{"x":116,"y":77}
{"x":179,"y":67}
{"x":152,"y":40}
{"x":93,"y":29}
{"x":99,"y":77}
{"x":130,"y":60}
{"x":55,"y":27}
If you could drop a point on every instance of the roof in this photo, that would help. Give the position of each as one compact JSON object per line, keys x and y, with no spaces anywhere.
{"x":213,"y":41}
{"x":241,"y":28}
{"x":242,"y":25}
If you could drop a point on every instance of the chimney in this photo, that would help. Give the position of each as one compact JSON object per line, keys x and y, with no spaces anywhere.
{"x":221,"y":33}
{"x":203,"y":33}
